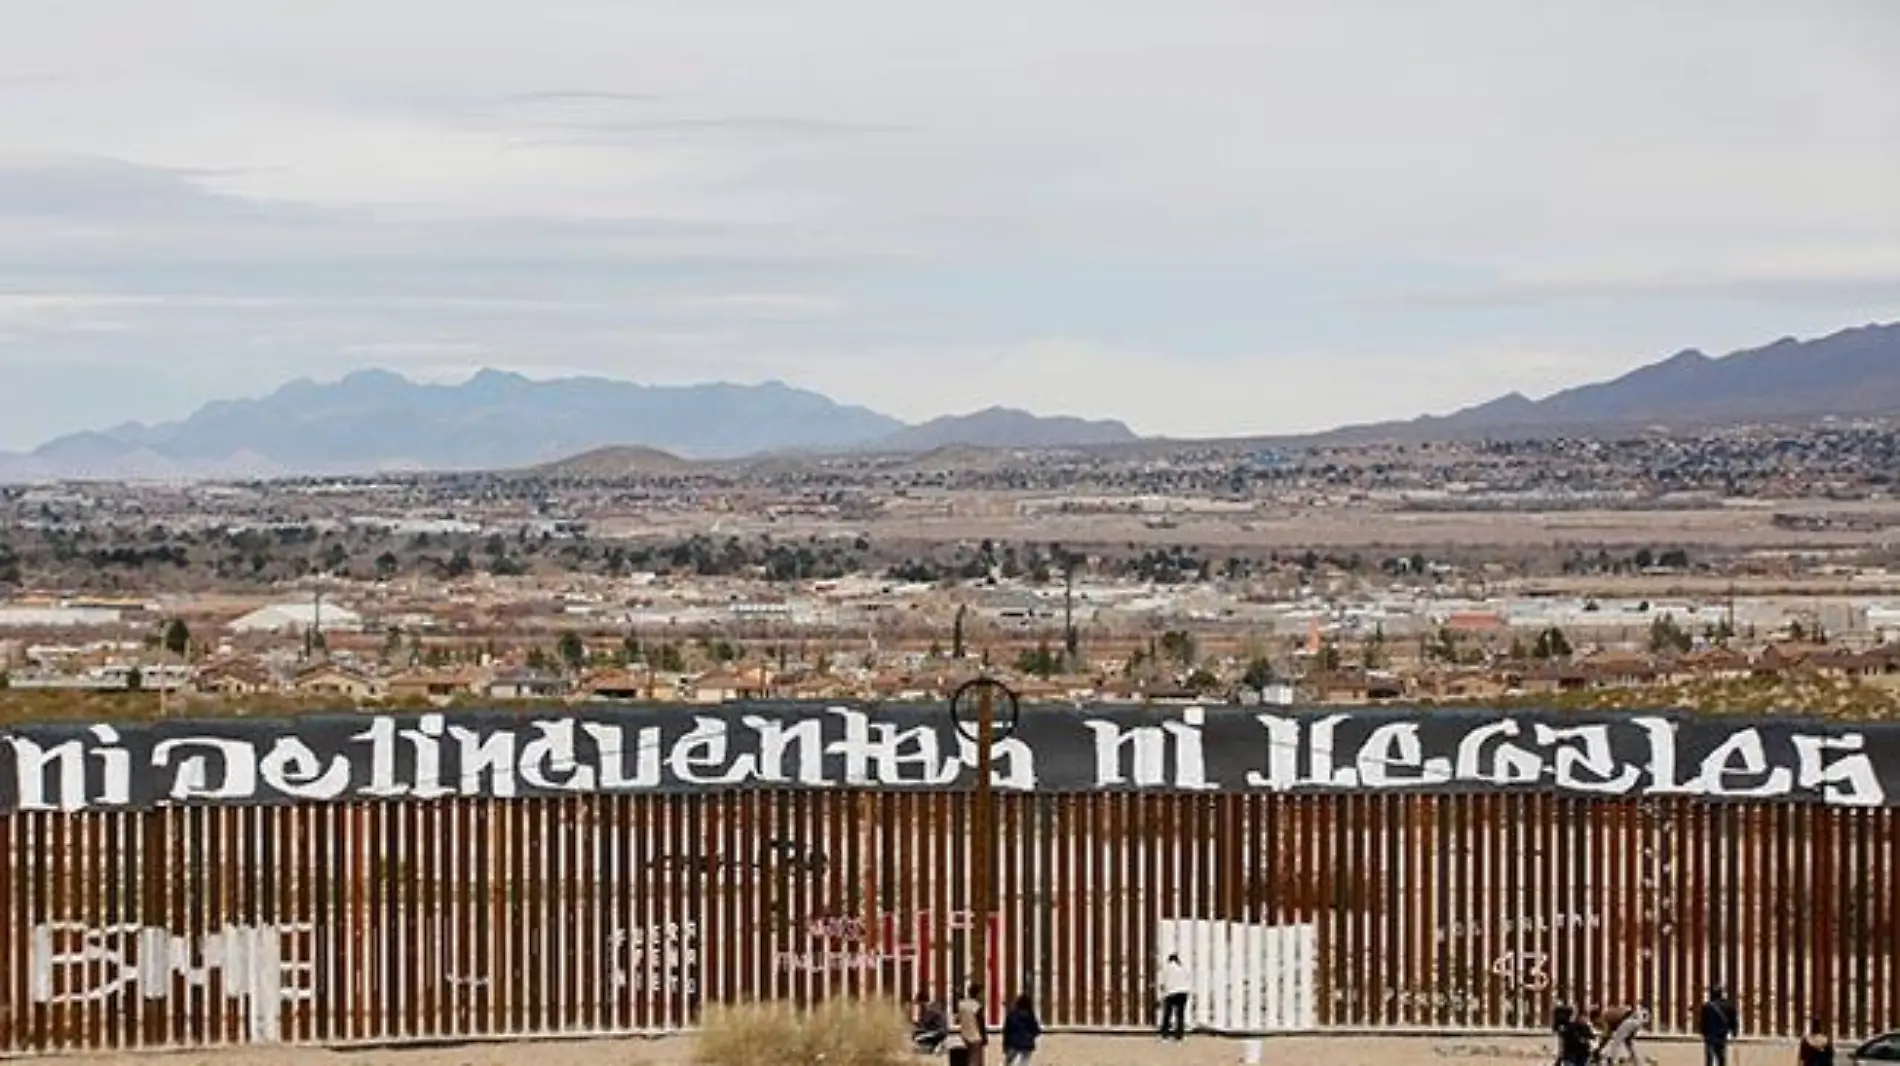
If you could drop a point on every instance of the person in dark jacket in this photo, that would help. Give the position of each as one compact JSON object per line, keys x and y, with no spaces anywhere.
{"x":1575,"y":1038}
{"x":1817,"y":1048}
{"x":1021,"y":1027}
{"x":929,"y":1024}
{"x":1717,"y":1024}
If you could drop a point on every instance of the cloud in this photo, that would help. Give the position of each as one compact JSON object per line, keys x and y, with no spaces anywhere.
{"x":1848,"y":276}
{"x":97,"y":190}
{"x":568,"y":96}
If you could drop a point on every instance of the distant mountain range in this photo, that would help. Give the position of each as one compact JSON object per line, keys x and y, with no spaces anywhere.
{"x":375,"y":420}
{"x":1853,"y":372}
{"x":1004,"y":427}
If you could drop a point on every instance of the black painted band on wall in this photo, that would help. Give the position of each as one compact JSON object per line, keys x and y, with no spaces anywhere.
{"x":684,"y":748}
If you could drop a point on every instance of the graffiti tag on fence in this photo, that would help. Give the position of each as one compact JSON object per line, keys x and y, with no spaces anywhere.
{"x":658,"y":958}
{"x":72,"y":962}
{"x":1523,"y":971}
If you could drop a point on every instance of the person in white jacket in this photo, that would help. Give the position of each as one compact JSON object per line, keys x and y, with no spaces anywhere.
{"x":1623,"y":1026}
{"x":1176,"y":986}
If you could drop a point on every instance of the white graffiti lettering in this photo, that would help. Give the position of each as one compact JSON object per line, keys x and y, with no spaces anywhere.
{"x":1556,"y":923}
{"x":657,"y":958}
{"x":1523,"y":970}
{"x":72,"y":962}
{"x":1193,"y":749}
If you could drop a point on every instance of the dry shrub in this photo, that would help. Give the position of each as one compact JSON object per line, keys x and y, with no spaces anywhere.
{"x":751,"y":1034}
{"x":847,"y":1032}
{"x":840,"y":1033}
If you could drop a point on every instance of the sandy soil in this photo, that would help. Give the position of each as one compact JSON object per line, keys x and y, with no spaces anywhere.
{"x":1057,"y":1051}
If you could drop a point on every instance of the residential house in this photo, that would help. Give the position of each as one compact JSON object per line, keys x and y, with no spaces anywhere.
{"x":1717,"y":663}
{"x":1346,"y":685}
{"x":622,"y":686}
{"x":1467,"y":683}
{"x":1851,"y":665}
{"x":816,"y":687}
{"x":1615,"y":669}
{"x":526,"y":684}
{"x":434,"y":685}
{"x":236,"y":676}
{"x":331,"y":679}
{"x":725,"y":687}
{"x":1550,"y":677}
{"x":1785,"y":657}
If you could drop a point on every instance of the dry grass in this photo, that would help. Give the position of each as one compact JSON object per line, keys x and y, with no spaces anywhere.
{"x":838,"y":1033}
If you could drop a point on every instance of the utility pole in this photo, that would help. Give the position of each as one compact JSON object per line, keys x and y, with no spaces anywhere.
{"x":1069,"y":643}
{"x":983,"y":814}
{"x":983,"y":844}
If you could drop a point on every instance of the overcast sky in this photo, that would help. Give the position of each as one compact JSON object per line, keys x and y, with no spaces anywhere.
{"x":1202,"y":217}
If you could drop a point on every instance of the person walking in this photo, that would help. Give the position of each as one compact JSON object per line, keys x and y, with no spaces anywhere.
{"x":1717,"y":1024}
{"x":969,"y":1034}
{"x":1021,"y":1027}
{"x":1176,"y":986}
{"x":1817,"y":1048}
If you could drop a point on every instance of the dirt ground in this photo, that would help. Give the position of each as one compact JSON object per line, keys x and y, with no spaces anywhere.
{"x":1057,"y":1051}
{"x":1338,"y":528}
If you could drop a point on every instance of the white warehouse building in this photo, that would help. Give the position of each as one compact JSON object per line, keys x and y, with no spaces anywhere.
{"x":283,"y":617}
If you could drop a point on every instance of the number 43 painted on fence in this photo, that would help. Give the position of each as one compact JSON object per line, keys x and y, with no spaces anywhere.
{"x":1523,"y":970}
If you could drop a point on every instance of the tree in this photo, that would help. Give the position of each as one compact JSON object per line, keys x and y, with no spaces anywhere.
{"x":1259,"y":674}
{"x":1329,"y":656}
{"x":1374,"y":655}
{"x":1551,"y":644}
{"x":1666,"y":636}
{"x":572,"y":649}
{"x":177,"y":638}
{"x":1201,"y":682}
{"x":1445,"y":645}
{"x":670,"y":659}
{"x":1178,"y":646}
{"x":1039,"y":661}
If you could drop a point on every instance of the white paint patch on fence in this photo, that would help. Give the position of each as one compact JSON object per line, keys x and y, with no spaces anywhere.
{"x":1248,"y":977}
{"x":72,"y":962}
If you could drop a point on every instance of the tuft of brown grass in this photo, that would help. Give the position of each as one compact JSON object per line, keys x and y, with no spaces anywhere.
{"x":841,"y":1032}
{"x":846,"y":1032}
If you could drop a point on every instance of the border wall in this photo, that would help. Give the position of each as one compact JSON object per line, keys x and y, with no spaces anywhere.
{"x":200,"y":923}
